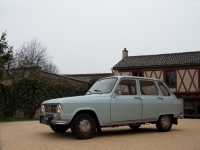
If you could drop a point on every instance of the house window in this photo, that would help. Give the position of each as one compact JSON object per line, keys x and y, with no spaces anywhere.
{"x":199,"y":78}
{"x":139,"y":74}
{"x":170,"y":78}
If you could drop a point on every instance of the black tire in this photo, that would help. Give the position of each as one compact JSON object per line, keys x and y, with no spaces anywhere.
{"x":135,"y":127}
{"x":164,"y":123}
{"x":59,"y":128}
{"x":84,"y":126}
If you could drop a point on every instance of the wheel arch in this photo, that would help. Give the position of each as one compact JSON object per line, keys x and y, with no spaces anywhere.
{"x":87,"y":111}
{"x":174,"y":120}
{"x":172,"y":115}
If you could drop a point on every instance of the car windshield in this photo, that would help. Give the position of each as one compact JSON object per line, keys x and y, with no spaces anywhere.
{"x":102,"y":86}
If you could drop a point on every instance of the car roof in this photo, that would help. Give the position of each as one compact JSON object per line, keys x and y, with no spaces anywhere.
{"x":133,"y":77}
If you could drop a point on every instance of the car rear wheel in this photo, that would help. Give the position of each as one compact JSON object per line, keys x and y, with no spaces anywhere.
{"x":59,"y":128}
{"x":164,"y":123}
{"x":84,"y":126}
{"x":135,"y":126}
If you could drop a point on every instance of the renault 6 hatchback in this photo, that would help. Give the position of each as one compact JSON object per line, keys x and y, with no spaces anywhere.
{"x":111,"y":102}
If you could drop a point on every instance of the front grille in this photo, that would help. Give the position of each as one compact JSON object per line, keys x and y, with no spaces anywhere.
{"x":50,"y":108}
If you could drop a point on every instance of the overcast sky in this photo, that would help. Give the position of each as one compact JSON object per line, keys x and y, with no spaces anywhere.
{"x":88,"y":36}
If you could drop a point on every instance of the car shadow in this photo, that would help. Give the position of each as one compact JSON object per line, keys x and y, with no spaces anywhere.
{"x":106,"y":132}
{"x":55,"y":136}
{"x":126,"y":131}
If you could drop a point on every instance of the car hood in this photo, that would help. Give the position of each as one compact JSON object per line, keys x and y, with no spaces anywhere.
{"x":76,"y":99}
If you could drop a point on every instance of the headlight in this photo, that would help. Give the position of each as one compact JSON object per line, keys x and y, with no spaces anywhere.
{"x":59,"y":109}
{"x":42,"y":109}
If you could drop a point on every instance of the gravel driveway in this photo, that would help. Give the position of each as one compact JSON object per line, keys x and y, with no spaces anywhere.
{"x":31,"y":135}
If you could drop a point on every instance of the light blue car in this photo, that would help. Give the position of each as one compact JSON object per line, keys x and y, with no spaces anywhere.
{"x":114,"y":101}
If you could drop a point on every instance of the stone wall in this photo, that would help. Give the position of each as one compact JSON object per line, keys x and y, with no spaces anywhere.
{"x":36,"y":73}
{"x":88,"y":77}
{"x":60,"y":79}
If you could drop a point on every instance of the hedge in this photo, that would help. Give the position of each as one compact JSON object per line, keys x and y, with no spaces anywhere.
{"x":26,"y":96}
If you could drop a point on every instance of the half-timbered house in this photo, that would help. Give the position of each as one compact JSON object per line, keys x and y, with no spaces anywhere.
{"x":180,"y":71}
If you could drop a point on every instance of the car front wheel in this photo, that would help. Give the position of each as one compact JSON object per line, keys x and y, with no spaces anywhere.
{"x":164,"y":123}
{"x":84,"y":126}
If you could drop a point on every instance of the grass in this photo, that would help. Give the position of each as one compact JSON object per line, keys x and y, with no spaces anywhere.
{"x":12,"y":119}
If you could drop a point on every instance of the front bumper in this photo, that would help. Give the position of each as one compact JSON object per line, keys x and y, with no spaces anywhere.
{"x":50,"y":120}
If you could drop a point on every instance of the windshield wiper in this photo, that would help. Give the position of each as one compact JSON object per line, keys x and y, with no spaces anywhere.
{"x":89,"y":92}
{"x":98,"y":91}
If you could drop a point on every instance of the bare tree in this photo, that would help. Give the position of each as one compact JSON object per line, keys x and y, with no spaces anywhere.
{"x":33,"y":54}
{"x":50,"y":67}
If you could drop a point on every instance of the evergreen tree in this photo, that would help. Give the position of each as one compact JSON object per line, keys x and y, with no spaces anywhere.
{"x":5,"y":54}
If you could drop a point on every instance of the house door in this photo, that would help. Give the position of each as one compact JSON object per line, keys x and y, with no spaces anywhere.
{"x":191,"y":108}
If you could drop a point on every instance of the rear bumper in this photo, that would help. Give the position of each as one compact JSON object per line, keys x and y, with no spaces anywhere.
{"x":51,"y":121}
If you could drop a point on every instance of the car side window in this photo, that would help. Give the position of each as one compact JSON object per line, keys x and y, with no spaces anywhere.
{"x":148,"y":88}
{"x":127,"y":87}
{"x":163,"y":89}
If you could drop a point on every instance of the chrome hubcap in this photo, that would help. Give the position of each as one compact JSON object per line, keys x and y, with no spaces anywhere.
{"x":85,"y":126}
{"x":165,"y":121}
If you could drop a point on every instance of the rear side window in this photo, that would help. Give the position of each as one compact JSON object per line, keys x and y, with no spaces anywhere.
{"x":163,"y":89}
{"x":148,"y":88}
{"x":127,"y":87}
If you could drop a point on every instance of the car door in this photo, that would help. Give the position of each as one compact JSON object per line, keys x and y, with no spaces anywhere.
{"x":126,"y":104}
{"x":152,"y":101}
{"x":169,"y":100}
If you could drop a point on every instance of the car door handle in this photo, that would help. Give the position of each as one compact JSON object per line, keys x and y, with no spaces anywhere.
{"x":160,"y":98}
{"x":137,"y":98}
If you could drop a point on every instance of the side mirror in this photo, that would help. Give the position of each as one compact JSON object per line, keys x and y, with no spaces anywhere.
{"x":118,"y":92}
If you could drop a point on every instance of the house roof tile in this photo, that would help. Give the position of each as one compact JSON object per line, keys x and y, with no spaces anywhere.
{"x":160,"y":60}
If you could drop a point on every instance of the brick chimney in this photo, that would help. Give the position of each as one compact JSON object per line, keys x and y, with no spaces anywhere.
{"x":124,"y":53}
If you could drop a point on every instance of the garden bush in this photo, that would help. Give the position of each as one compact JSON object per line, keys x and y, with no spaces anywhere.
{"x":26,"y":96}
